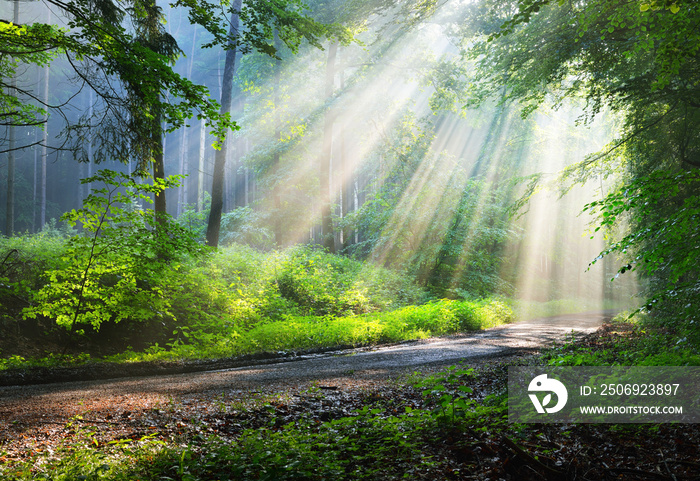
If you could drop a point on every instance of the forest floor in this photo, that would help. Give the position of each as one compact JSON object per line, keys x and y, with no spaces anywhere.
{"x":37,"y":420}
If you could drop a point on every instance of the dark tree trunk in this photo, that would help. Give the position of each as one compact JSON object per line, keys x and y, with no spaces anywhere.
{"x":217,"y":190}
{"x":159,"y":206}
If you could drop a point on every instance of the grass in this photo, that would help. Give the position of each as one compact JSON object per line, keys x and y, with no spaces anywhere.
{"x":239,"y":301}
{"x":524,"y":310}
{"x":295,"y":333}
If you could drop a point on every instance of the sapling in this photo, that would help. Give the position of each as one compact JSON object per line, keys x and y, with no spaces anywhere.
{"x":110,"y":271}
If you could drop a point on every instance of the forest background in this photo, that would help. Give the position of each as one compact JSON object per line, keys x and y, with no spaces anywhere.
{"x":414,"y":136}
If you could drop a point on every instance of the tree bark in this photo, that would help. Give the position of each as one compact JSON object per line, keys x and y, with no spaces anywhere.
{"x":326,"y":153}
{"x":217,"y":189}
{"x":159,"y":206}
{"x":347,"y":178}
{"x":10,"y":206}
{"x":44,"y":154}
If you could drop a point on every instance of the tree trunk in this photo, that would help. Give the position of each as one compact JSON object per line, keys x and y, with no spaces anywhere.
{"x":217,"y":189}
{"x":159,"y":206}
{"x":184,"y":143}
{"x":200,"y":168}
{"x":326,"y":153}
{"x":276,"y":194}
{"x":10,"y":207}
{"x":91,"y":99}
{"x":44,"y":154}
{"x":347,"y":178}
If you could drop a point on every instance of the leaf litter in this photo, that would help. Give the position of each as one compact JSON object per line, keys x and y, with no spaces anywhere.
{"x":39,"y":426}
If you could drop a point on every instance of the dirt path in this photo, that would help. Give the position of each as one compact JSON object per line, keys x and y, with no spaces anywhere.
{"x":121,"y":406}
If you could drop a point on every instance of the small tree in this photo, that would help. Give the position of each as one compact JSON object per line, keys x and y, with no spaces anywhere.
{"x":111,"y":271}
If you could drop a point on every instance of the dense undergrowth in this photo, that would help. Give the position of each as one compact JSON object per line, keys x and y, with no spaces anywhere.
{"x":449,"y":425}
{"x":231,"y":302}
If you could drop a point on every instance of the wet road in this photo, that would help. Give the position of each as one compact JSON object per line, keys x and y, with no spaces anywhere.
{"x":38,"y":417}
{"x":368,"y":363}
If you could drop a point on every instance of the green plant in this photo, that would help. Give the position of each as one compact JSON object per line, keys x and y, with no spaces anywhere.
{"x":111,"y":272}
{"x":448,"y":393}
{"x":243,"y":225}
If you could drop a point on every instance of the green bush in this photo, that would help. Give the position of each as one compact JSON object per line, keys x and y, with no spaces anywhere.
{"x":411,"y":322}
{"x":23,"y":261}
{"x":110,"y":272}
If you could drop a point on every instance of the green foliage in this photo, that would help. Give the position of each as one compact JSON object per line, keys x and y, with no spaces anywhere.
{"x":449,"y":393}
{"x":111,"y":272}
{"x":24,"y":45}
{"x":23,"y":261}
{"x":640,"y":61}
{"x":52,"y":360}
{"x":244,"y":331}
{"x":319,"y":284}
{"x":642,"y":342}
{"x":243,"y":226}
{"x":665,"y":218}
{"x":446,"y":230}
{"x":196,"y":221}
{"x":234,"y":301}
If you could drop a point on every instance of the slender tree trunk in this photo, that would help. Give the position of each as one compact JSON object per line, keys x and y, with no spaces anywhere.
{"x":44,"y":154}
{"x":326,"y":153}
{"x":217,"y":189}
{"x":200,"y":170}
{"x":91,"y":99}
{"x":159,"y":206}
{"x":347,"y":181}
{"x":276,"y":190}
{"x":35,"y":187}
{"x":181,"y":199}
{"x":184,"y":143}
{"x":10,"y":207}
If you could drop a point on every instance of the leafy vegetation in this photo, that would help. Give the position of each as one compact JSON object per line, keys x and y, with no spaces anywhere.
{"x":109,"y":272}
{"x":632,"y":59}
{"x":234,"y":301}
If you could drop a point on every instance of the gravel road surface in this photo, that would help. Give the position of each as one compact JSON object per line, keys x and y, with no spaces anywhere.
{"x":37,"y":416}
{"x":366,"y":362}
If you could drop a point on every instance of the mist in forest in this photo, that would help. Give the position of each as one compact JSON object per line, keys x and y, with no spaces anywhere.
{"x":464,"y":200}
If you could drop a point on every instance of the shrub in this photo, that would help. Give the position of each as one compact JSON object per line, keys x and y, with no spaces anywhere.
{"x":112,"y":272}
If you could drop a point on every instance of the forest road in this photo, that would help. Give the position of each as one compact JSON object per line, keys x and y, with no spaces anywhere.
{"x":37,"y":417}
{"x":350,"y":367}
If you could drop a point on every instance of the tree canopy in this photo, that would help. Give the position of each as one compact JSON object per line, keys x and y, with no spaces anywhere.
{"x":110,"y":52}
{"x":640,"y":61}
